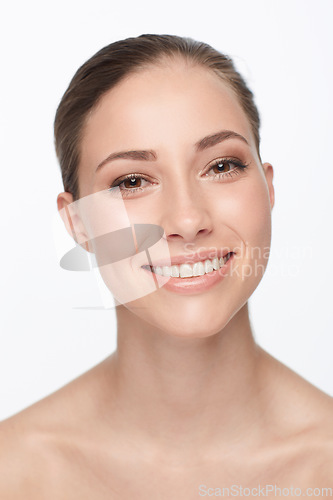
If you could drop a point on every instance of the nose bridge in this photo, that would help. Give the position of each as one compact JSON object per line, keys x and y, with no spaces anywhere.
{"x":186,"y":198}
{"x":186,"y":210}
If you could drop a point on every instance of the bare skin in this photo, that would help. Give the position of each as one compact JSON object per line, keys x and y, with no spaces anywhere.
{"x":70,"y":445}
{"x":189,"y":399}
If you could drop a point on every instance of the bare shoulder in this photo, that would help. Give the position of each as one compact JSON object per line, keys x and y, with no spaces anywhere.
{"x":40,"y":446}
{"x":303,"y":417}
{"x":20,"y":460}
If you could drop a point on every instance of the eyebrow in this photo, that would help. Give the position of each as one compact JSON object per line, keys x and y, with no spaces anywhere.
{"x":150,"y":155}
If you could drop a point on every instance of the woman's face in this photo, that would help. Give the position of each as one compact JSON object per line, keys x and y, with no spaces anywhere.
{"x":206,"y":193}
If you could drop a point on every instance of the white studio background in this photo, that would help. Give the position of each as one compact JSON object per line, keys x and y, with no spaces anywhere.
{"x":284,"y":50}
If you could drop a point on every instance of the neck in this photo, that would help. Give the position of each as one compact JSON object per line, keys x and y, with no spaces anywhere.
{"x":196,"y":391}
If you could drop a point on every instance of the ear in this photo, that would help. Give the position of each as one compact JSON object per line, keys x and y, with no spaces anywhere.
{"x":269,"y":173}
{"x":72,"y":220}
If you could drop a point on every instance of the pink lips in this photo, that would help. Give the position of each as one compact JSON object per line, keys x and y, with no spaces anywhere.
{"x":196,"y":284}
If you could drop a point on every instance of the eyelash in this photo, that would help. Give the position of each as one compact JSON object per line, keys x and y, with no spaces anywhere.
{"x":239,"y":168}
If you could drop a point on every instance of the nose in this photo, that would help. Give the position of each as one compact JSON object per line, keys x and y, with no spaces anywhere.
{"x":186,"y":216}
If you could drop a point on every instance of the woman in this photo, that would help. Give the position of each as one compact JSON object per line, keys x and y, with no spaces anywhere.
{"x":160,"y":134}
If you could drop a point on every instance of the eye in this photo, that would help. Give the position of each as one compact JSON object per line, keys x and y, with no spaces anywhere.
{"x":129,"y":184}
{"x":225,"y":167}
{"x":134,"y":181}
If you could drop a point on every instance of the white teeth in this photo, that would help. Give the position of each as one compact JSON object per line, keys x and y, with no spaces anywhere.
{"x":166,"y":271}
{"x":198,"y":269}
{"x":189,"y":270}
{"x":175,"y":271}
{"x":216,"y":264}
{"x":185,"y":271}
{"x":209,"y":266}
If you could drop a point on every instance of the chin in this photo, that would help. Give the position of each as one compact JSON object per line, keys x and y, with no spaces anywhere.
{"x":190,"y":325}
{"x":193,"y":333}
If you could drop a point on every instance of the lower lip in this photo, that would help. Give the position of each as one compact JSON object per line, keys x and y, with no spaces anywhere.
{"x":196,"y":284}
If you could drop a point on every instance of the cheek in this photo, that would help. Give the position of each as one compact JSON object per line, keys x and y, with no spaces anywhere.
{"x":255,"y":213}
{"x":253,"y":221}
{"x":102,"y":214}
{"x":246,"y":212}
{"x":259,"y":215}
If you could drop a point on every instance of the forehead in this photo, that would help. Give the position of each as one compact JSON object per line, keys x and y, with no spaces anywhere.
{"x":161,"y":106}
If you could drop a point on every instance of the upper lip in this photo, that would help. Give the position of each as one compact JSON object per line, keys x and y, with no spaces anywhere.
{"x":192,"y":257}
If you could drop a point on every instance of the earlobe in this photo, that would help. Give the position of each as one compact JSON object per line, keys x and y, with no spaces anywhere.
{"x":72,"y":220}
{"x":269,"y":173}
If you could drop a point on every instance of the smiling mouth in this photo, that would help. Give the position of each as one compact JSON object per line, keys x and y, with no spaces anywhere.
{"x":190,"y":270}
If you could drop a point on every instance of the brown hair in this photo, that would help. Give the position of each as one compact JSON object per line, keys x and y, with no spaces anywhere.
{"x":113,"y":63}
